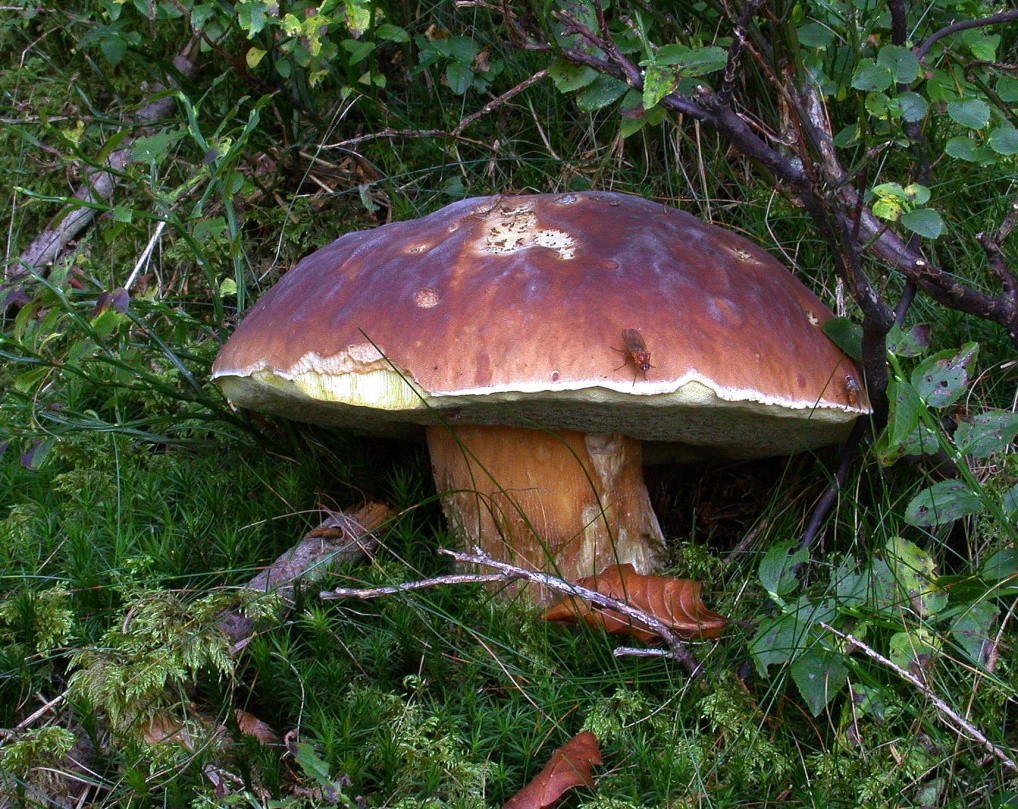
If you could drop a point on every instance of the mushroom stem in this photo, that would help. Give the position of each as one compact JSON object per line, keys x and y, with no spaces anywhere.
{"x":561,"y":502}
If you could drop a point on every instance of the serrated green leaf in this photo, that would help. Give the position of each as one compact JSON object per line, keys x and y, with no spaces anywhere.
{"x":783,"y":638}
{"x":814,"y":35}
{"x":658,"y":81}
{"x":459,"y":77}
{"x":901,"y":62}
{"x":819,"y":675}
{"x":972,"y":113}
{"x":1003,"y":140}
{"x":601,"y":92}
{"x":779,"y":567}
{"x":1007,"y":89}
{"x":914,"y":573}
{"x":569,"y":77}
{"x":942,"y":503}
{"x":942,"y":379}
{"x":906,"y":407}
{"x":913,"y":650}
{"x":909,"y":343}
{"x":871,"y":77}
{"x":973,"y":631}
{"x":387,"y":32}
{"x":913,"y":106}
{"x":962,"y":148}
{"x":924,"y":221}
{"x":986,"y":434}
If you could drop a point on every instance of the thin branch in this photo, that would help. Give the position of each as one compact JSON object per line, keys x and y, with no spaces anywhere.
{"x":958,"y":721}
{"x":507,"y":572}
{"x":658,"y":627}
{"x":724,"y":95}
{"x":500,"y":100}
{"x":410,"y":586}
{"x":964,"y":25}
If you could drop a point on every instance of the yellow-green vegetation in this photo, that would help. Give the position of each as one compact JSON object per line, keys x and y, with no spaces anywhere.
{"x":875,"y":666}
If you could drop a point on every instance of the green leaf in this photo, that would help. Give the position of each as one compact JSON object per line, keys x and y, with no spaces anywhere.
{"x":604,"y":90}
{"x":814,"y":35}
{"x":1003,"y":140}
{"x":942,"y":379}
{"x":909,"y":343}
{"x":387,"y":32}
{"x":1007,"y":89}
{"x":846,"y":334}
{"x":962,"y":148}
{"x":1001,"y":565}
{"x":778,"y":569}
{"x":901,"y":62}
{"x":569,"y":77}
{"x":972,"y":113}
{"x":251,"y":15}
{"x":783,"y":638}
{"x":358,"y":50}
{"x":1009,"y":503}
{"x":906,"y":407}
{"x":924,"y":221}
{"x":973,"y":631}
{"x":820,"y":675}
{"x":871,"y":77}
{"x":658,"y":82}
{"x":459,"y":77}
{"x":913,"y":650}
{"x":914,"y":573}
{"x":942,"y":503}
{"x":913,"y":106}
{"x":987,"y":433}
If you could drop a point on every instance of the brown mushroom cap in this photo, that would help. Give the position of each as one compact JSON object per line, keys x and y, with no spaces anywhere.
{"x":510,"y":310}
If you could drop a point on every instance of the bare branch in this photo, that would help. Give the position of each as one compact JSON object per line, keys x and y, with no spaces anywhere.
{"x":507,"y":572}
{"x":959,"y":722}
{"x":963,"y":25}
{"x":500,"y":100}
{"x":658,"y":627}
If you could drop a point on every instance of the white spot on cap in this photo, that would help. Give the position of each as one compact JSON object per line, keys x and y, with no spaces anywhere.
{"x":516,"y":229}
{"x":426,"y":298}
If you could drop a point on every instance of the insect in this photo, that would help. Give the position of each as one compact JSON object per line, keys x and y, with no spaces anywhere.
{"x":635,"y":351}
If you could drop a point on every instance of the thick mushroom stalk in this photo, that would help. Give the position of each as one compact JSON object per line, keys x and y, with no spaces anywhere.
{"x":564,"y":502}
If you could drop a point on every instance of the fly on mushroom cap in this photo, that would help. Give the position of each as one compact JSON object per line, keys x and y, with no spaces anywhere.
{"x":495,"y":316}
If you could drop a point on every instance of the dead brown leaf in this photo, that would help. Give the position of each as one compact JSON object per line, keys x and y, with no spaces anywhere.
{"x":674,"y":602}
{"x":567,"y":767}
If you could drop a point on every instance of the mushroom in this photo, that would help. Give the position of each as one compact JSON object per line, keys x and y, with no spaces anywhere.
{"x":541,"y":343}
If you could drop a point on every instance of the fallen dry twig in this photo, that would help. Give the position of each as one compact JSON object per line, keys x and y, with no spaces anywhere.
{"x":506,"y":572}
{"x":340,"y":538}
{"x":954,"y":718}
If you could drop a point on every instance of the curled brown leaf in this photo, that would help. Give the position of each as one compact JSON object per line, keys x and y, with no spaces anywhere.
{"x":674,"y":602}
{"x":567,"y":767}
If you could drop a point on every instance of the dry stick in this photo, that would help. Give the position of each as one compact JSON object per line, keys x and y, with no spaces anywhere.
{"x":98,"y":186}
{"x":340,"y":538}
{"x":507,"y":572}
{"x":959,"y":722}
